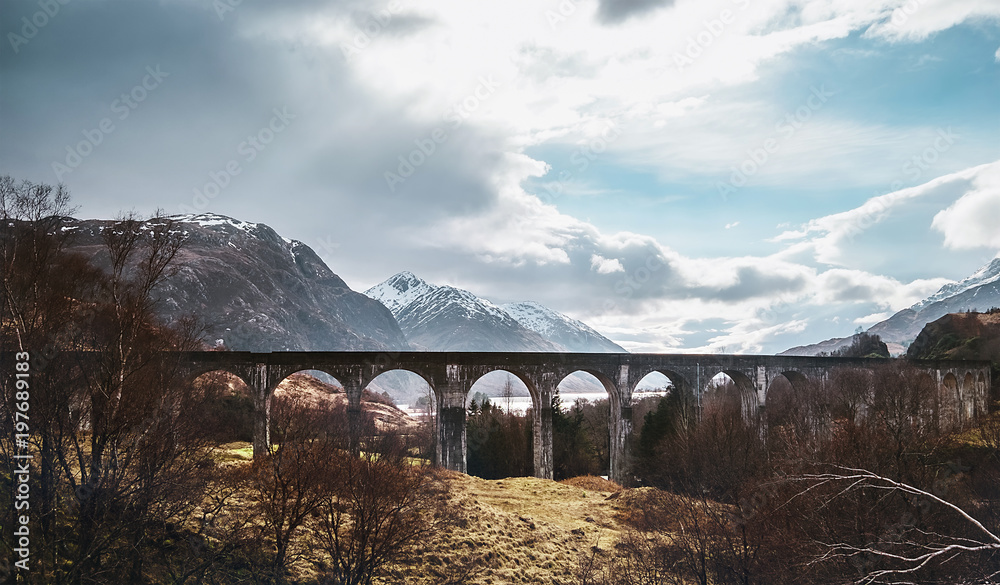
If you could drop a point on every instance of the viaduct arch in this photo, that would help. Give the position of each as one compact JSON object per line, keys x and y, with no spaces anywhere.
{"x":452,"y":374}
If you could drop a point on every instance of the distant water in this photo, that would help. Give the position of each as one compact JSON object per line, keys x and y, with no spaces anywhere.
{"x":520,"y":404}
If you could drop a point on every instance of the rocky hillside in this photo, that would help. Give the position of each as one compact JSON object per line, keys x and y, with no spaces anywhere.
{"x":257,"y":291}
{"x":971,"y":336}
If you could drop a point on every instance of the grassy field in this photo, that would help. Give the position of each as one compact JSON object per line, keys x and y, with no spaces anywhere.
{"x":515,"y":530}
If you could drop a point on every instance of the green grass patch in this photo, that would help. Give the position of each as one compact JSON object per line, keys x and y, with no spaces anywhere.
{"x":236,"y":451}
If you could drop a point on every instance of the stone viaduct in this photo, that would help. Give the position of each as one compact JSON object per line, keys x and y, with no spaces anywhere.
{"x":962,"y":385}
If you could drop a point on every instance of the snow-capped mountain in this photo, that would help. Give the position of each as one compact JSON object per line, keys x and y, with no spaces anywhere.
{"x":988,"y":274}
{"x":445,"y":318}
{"x":257,"y":291}
{"x":569,"y":333}
{"x":399,"y":291}
{"x":979,"y":292}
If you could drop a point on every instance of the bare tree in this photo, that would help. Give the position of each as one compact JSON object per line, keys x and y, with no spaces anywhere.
{"x":292,"y":482}
{"x":380,"y":505}
{"x":129,"y":395}
{"x":42,"y":284}
{"x":507,"y":392}
{"x":119,"y":439}
{"x":33,"y":247}
{"x":906,"y":551}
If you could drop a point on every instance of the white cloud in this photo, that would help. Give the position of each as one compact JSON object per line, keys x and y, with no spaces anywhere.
{"x":750,"y":337}
{"x":730,"y":226}
{"x":553,"y":77}
{"x":915,"y":20}
{"x":972,"y":221}
{"x":997,"y":55}
{"x":606,"y":265}
{"x":840,"y":285}
{"x":872,"y":319}
{"x":827,"y":236}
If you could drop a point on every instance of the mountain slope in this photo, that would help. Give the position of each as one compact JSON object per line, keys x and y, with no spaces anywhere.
{"x":979,"y":292}
{"x":988,"y":274}
{"x":257,"y":291}
{"x":558,"y":328}
{"x":444,"y":318}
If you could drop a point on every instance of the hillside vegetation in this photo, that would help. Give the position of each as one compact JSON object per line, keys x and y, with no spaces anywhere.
{"x":963,"y":336}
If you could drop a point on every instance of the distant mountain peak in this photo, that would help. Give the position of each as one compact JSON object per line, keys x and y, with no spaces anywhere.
{"x":405,"y":278}
{"x":442,"y":317}
{"x":399,"y":290}
{"x":985,"y":275}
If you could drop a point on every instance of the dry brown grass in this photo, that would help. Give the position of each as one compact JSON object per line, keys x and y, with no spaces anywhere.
{"x":649,"y":508}
{"x":593,"y":483}
{"x":515,"y":530}
{"x":519,"y":530}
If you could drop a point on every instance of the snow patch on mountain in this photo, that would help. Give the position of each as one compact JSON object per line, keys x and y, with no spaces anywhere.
{"x":542,"y":319}
{"x":399,"y":291}
{"x":424,"y":309}
{"x":985,"y":275}
{"x":254,"y":230}
{"x":533,"y":316}
{"x":570,"y":333}
{"x":213,"y":219}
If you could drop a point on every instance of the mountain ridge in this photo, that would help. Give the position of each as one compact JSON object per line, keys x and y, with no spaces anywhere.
{"x":255,"y":290}
{"x":446,"y":318}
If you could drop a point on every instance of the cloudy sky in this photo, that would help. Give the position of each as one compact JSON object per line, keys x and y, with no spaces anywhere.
{"x":684,"y":175}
